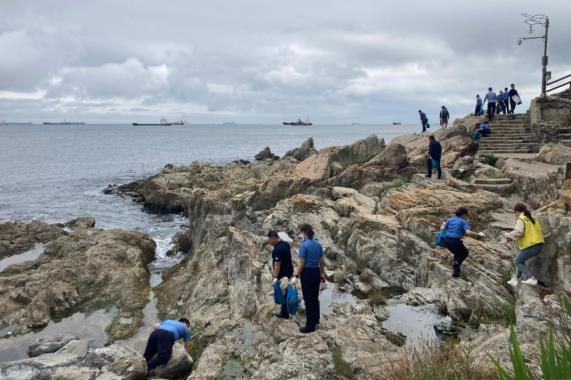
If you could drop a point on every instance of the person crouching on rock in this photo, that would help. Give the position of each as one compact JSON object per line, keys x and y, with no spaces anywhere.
{"x":455,"y":228}
{"x":162,"y":339}
{"x":282,"y":266}
{"x":527,"y":232}
{"x":311,"y":270}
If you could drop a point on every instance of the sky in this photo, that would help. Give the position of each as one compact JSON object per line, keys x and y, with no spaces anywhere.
{"x":261,"y":61}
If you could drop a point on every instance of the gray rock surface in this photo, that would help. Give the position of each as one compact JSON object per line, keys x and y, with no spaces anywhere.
{"x":266,"y":155}
{"x":305,"y":150}
{"x":178,"y":366}
{"x":50,"y":344}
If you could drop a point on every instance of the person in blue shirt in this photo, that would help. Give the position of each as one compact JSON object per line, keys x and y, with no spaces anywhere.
{"x":491,"y":98}
{"x":164,"y":336}
{"x":455,"y":228}
{"x":310,"y":269}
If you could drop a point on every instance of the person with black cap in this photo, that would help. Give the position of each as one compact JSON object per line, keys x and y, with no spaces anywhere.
{"x":281,"y":264}
{"x":311,"y":270}
{"x":423,"y":120}
{"x":456,"y":227}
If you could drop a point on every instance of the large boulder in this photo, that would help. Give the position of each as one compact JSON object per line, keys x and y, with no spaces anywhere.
{"x":359,"y":152}
{"x":555,"y":154}
{"x":266,"y":155}
{"x":49,"y":344}
{"x":178,"y":366}
{"x":305,"y":150}
{"x":80,"y":270}
{"x":19,"y":237}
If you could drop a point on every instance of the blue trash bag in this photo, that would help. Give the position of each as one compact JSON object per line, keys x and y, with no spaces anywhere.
{"x":439,"y":241}
{"x":427,"y":125}
{"x":278,"y":294}
{"x":292,"y":299}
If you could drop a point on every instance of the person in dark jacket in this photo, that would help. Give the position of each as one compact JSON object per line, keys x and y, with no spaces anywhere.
{"x":444,"y":116}
{"x":456,"y":227}
{"x":434,"y":155}
{"x":506,"y":101}
{"x":311,"y":270}
{"x":479,"y":110}
{"x":281,"y":264}
{"x":423,"y":120}
{"x":513,"y":93}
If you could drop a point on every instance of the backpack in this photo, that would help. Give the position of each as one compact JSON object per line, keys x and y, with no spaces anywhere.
{"x":427,"y":125}
{"x":439,"y":241}
{"x":278,"y":294}
{"x":292,"y":299}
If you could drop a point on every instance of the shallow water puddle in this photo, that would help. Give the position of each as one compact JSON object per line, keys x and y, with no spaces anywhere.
{"x":29,"y":255}
{"x":84,"y":325}
{"x":415,"y":322}
{"x":330,"y":295}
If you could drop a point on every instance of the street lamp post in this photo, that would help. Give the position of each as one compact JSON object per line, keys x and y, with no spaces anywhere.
{"x":542,"y":20}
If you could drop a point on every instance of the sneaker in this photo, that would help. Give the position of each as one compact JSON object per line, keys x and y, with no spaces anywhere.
{"x":306,"y":330}
{"x":530,"y":281}
{"x":513,"y":282}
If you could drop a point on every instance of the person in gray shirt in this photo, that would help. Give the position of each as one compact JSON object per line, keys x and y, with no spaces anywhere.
{"x":491,"y":98}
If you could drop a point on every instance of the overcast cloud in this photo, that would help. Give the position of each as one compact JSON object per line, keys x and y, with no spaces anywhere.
{"x":266,"y":61}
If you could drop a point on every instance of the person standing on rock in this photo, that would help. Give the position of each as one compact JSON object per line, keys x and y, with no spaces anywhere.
{"x":282,"y":267}
{"x":162,"y":339}
{"x":455,"y":229}
{"x":444,"y":116}
{"x":527,"y":232}
{"x":423,"y":120}
{"x":434,"y":155}
{"x":478,"y":111}
{"x":311,"y":271}
{"x":514,"y":98}
{"x":491,"y":98}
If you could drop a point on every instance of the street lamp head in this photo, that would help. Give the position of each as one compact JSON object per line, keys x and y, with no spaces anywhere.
{"x":531,"y":29}
{"x":519,"y":41}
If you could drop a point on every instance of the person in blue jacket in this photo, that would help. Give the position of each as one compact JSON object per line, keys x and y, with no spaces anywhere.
{"x":455,"y":228}
{"x":310,"y":269}
{"x":164,"y":336}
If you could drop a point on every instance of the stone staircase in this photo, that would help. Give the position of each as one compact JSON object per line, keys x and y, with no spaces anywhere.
{"x":509,"y":136}
{"x":564,"y":135}
{"x":495,"y":185}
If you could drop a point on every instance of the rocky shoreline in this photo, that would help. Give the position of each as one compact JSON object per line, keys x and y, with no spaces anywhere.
{"x":376,"y":217}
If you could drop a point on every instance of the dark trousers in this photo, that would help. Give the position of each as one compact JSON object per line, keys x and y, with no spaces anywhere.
{"x":491,"y":109}
{"x":310,"y":280}
{"x":477,"y":110}
{"x":424,"y":125}
{"x":283,"y":312}
{"x":512,"y":106}
{"x":506,"y":106}
{"x":160,"y":344}
{"x":460,"y":252}
{"x":430,"y":165}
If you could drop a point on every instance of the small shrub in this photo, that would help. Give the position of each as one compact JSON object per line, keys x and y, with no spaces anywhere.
{"x":554,"y":352}
{"x":342,"y":369}
{"x":489,"y":159}
{"x":466,"y":177}
{"x":435,"y":361}
{"x":398,"y":182}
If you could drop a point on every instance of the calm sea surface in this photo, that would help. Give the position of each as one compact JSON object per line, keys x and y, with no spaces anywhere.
{"x":56,"y":173}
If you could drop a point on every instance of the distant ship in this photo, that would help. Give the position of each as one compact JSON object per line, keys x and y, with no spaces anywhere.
{"x":65,"y":122}
{"x":298,"y":122}
{"x":16,"y":122}
{"x":229,"y":123}
{"x":163,"y":122}
{"x":397,"y":123}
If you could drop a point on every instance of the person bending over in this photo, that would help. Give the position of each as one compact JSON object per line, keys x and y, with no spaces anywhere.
{"x":162,"y":339}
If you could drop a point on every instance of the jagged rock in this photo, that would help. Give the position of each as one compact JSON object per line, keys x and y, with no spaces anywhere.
{"x":129,"y":368}
{"x":74,"y":373}
{"x":266,"y":155}
{"x":178,"y":366}
{"x":305,"y":150}
{"x":555,"y":154}
{"x":50,"y":344}
{"x":87,"y":267}
{"x":19,"y":237}
{"x":82,"y":223}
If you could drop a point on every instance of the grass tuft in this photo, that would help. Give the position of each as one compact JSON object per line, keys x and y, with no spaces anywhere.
{"x":398,"y":182}
{"x":342,"y":369}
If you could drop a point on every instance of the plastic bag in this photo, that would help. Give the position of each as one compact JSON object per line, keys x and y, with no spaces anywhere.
{"x":439,"y":241}
{"x":278,"y":294}
{"x":292,"y":299}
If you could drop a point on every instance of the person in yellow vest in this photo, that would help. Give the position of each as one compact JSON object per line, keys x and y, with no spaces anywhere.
{"x":529,"y":237}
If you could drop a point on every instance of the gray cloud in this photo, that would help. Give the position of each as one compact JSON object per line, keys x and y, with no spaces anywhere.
{"x":260,"y":61}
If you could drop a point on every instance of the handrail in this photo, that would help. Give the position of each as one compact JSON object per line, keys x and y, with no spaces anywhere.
{"x":557,"y":80}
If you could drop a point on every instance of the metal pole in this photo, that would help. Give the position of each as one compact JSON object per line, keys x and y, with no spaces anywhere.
{"x":544,"y":60}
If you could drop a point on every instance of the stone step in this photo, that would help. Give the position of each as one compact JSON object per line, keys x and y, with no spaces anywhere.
{"x":505,"y":140}
{"x":564,"y":136}
{"x":502,"y":151}
{"x":492,"y":181}
{"x":499,"y":189}
{"x":563,"y":130}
